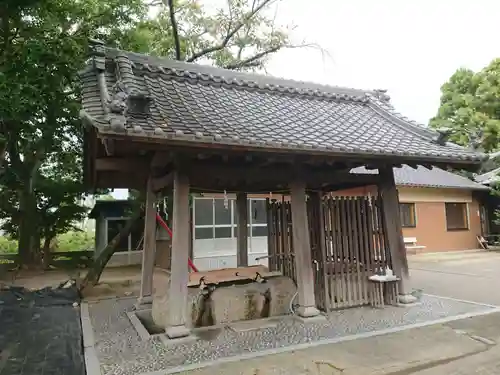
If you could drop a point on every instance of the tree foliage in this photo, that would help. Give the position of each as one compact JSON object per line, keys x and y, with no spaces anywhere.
{"x":74,"y":241}
{"x":7,"y":245}
{"x":241,"y":35}
{"x":44,"y":44}
{"x":470,"y":106}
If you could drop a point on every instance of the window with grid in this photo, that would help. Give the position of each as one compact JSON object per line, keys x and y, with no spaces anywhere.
{"x":407,"y":215}
{"x":456,"y":216}
{"x":213,"y":219}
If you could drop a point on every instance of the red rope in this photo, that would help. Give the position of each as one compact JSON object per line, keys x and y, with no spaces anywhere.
{"x":169,"y":231}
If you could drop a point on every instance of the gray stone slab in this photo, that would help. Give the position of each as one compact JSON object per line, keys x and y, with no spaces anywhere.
{"x":121,"y":351}
{"x":87,"y":331}
{"x":139,"y":327}
{"x":251,"y":325}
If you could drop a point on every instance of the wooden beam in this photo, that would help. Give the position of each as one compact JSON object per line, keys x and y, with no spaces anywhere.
{"x":119,"y":180}
{"x":109,"y":146}
{"x":209,"y":173}
{"x":127,"y":165}
{"x":161,"y":158}
{"x":218,"y":149}
{"x":162,"y":182}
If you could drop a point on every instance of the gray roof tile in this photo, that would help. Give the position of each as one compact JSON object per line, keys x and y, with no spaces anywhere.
{"x":205,"y":104}
{"x":491,"y":177}
{"x":423,"y":177}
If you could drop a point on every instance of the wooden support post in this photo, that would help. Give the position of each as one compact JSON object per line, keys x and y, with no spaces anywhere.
{"x":242,"y":229}
{"x":392,"y":222}
{"x":179,"y":276}
{"x":324,"y":294}
{"x":149,"y":248}
{"x":302,"y":248}
{"x":191,"y":234}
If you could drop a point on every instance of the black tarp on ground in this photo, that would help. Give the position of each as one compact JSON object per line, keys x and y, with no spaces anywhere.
{"x":40,"y":332}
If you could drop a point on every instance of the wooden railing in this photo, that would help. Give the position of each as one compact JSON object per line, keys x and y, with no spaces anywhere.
{"x":66,"y":259}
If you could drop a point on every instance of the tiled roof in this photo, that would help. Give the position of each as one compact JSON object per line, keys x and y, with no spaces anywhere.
{"x":423,"y":177}
{"x":203,"y":104}
{"x":491,"y":177}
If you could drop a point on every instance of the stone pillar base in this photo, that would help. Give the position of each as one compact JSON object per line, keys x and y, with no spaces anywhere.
{"x":144,"y":303}
{"x":307,"y":311}
{"x":176,"y":332}
{"x":407,"y":299}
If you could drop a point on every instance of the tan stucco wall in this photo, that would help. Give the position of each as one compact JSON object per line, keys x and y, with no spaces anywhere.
{"x":431,"y":220}
{"x":413,"y":195}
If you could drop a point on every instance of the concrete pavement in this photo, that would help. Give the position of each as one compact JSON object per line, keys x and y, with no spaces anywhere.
{"x":405,"y":352}
{"x":461,"y":347}
{"x":472,"y":275}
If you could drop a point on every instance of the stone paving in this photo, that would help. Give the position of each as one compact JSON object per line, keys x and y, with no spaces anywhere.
{"x":121,"y":352}
{"x":401,"y":353}
{"x":39,"y":338}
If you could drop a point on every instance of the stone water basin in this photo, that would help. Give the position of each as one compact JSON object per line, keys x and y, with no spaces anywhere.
{"x":235,"y":297}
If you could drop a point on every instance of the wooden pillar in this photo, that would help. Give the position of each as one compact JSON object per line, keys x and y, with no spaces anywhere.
{"x":392,"y":222}
{"x":191,"y":234}
{"x":319,"y":227}
{"x":242,"y":230}
{"x":149,"y":247}
{"x":179,"y":276}
{"x":302,"y":249}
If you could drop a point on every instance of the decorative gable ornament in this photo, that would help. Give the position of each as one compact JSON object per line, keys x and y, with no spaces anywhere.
{"x":117,"y":106}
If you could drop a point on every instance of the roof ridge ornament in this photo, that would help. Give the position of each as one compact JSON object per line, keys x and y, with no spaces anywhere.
{"x":443,"y":135}
{"x":476,"y":140}
{"x":117,"y":106}
{"x":381,"y":94}
{"x":97,"y":53}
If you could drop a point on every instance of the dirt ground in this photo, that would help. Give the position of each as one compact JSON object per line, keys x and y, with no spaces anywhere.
{"x":114,"y":282}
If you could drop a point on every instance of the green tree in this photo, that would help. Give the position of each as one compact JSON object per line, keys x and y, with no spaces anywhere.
{"x":470,"y":106}
{"x":74,"y":240}
{"x":7,"y":245}
{"x":241,"y":35}
{"x":44,"y":45}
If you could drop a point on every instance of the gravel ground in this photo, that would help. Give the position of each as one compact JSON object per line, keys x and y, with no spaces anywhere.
{"x":121,"y":351}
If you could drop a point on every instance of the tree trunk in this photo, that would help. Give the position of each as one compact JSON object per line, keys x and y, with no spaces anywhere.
{"x":95,"y":271}
{"x":3,"y":150}
{"x":29,"y":234}
{"x":27,"y":228}
{"x":47,"y":254}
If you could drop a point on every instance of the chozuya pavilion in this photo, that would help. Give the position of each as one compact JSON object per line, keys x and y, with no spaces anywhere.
{"x":160,"y":125}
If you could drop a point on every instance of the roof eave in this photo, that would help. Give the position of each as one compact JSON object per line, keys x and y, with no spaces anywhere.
{"x":138,"y":135}
{"x":450,"y":187}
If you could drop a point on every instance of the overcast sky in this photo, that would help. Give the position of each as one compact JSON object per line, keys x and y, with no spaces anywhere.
{"x":409,"y":47}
